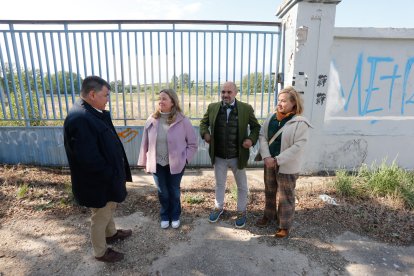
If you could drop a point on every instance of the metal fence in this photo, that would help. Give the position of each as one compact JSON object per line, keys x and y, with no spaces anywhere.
{"x":42,"y":65}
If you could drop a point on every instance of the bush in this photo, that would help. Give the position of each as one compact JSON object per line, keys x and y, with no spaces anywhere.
{"x":344,"y":183}
{"x":17,"y":105}
{"x":377,"y":181}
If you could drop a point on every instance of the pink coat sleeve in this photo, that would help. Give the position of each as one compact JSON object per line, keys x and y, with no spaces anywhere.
{"x":191,"y":138}
{"x":142,"y":159}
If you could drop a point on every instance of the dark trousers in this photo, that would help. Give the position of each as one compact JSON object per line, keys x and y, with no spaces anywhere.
{"x":168,"y":192}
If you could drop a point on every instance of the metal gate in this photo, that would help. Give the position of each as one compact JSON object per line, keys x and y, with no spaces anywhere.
{"x":42,"y":65}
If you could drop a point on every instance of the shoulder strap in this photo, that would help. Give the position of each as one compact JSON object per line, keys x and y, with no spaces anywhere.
{"x":276,"y":135}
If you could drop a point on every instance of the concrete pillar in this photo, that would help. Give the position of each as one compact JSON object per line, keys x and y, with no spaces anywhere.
{"x":308,"y":27}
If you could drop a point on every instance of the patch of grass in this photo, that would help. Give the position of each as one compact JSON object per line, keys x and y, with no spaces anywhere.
{"x":194,"y":199}
{"x":45,"y":206}
{"x":343,"y":183}
{"x":383,"y":180}
{"x":22,"y":191}
{"x":233,"y":191}
{"x":67,"y":198}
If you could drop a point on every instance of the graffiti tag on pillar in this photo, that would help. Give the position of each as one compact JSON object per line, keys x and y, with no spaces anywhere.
{"x":322,"y":80}
{"x":128,"y":134}
{"x":320,"y":98}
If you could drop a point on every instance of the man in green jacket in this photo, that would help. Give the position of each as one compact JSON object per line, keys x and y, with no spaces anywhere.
{"x":225,"y":127}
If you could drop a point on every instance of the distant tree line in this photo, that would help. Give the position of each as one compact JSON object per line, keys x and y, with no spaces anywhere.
{"x":48,"y":83}
{"x":12,"y":96}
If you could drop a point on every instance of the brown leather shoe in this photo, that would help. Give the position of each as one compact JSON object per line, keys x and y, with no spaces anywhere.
{"x":119,"y":236}
{"x":111,"y":256}
{"x":263,"y":222}
{"x":282,"y":233}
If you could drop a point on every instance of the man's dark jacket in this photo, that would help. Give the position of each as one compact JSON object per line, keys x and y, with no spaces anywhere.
{"x":246,"y":120}
{"x":97,"y":160}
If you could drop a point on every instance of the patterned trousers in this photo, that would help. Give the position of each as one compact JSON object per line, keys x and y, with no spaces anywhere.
{"x":281,"y":186}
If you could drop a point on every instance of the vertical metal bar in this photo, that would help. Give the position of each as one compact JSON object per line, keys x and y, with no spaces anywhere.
{"x":212,"y":67}
{"x":241,"y":65}
{"x":115,"y":76}
{"x":204,"y":72}
{"x":107,"y":69}
{"x":196,"y":82}
{"x":71,"y":81}
{"x":219,"y":66}
{"x":174,"y":73}
{"x":16,"y":98}
{"x":234,"y":57}
{"x":130,"y":75}
{"x":159,"y":62}
{"x":85,"y":72}
{"x":29,"y":43}
{"x":255,"y":69}
{"x":91,"y":52}
{"x":65,"y":88}
{"x":269,"y":88}
{"x":182,"y":70}
{"x":121,"y":53}
{"x":145,"y":74}
{"x":19,"y":75}
{"x":52,"y":100}
{"x":56,"y":74}
{"x":263,"y":74}
{"x":6,"y":85}
{"x":248,"y":68}
{"x":98,"y":47}
{"x":189,"y":74}
{"x":39,"y":56}
{"x":3,"y":106}
{"x":152,"y":72}
{"x":26,"y":72}
{"x":138,"y":84}
{"x":75,"y":44}
{"x":227,"y":52}
{"x":166,"y":59}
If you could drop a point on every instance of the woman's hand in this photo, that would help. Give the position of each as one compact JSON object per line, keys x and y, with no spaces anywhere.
{"x":270,"y":162}
{"x":207,"y":138}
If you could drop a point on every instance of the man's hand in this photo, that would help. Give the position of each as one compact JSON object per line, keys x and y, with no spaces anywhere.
{"x":247,"y":143}
{"x":270,"y":162}
{"x":207,"y":138}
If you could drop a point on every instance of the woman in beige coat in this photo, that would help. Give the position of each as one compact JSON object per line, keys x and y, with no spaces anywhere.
{"x":282,"y":159}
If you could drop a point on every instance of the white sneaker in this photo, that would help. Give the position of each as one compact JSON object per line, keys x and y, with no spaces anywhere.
{"x":175,"y":224}
{"x":165,"y":224}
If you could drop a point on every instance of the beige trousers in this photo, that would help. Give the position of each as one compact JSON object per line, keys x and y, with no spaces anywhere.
{"x":102,"y":226}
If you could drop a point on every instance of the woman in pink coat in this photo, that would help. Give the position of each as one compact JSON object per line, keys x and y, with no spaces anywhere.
{"x":168,"y":144}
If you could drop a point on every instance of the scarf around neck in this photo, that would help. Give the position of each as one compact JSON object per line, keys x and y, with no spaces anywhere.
{"x":281,"y":116}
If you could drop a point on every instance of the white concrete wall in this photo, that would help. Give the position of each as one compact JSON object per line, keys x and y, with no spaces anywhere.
{"x":369,"y":111}
{"x":359,"y":91}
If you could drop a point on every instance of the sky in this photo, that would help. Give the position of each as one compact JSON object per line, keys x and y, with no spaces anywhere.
{"x":349,"y":13}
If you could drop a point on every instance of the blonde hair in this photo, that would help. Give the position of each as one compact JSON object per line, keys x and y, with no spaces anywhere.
{"x":175,"y":108}
{"x":295,"y":98}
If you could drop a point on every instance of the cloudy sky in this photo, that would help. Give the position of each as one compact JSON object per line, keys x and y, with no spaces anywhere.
{"x":350,"y":13}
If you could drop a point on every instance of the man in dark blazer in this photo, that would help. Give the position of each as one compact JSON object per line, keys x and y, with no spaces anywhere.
{"x":98,"y":165}
{"x":225,"y":127}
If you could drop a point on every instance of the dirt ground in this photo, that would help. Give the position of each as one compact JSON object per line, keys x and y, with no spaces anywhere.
{"x":44,"y":233}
